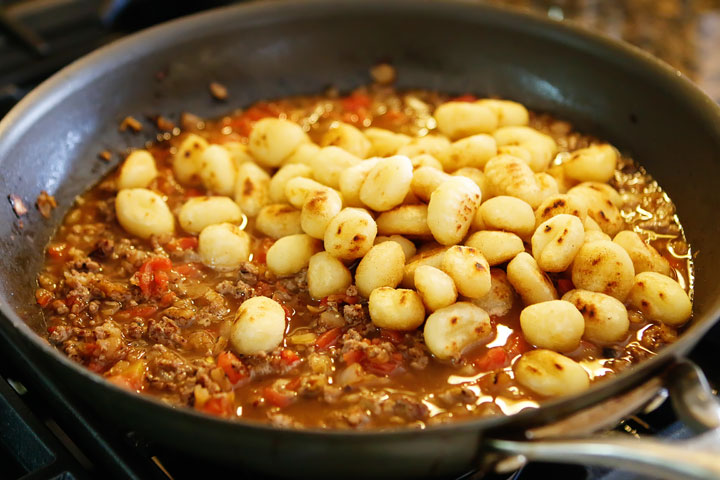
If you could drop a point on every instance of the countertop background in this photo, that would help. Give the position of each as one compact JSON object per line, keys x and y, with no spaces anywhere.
{"x":683,"y":33}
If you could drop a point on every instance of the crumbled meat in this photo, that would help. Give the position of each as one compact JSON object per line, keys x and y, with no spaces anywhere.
{"x":188,"y":121}
{"x":281,"y":420}
{"x":166,"y":369}
{"x":406,"y":407}
{"x":136,"y":328}
{"x":105,"y":155}
{"x":103,"y":248}
{"x":248,"y":273}
{"x":45,"y":203}
{"x":60,"y":333}
{"x":218,"y":91}
{"x":165,"y":332}
{"x":238,"y":290}
{"x":84,"y":264}
{"x":457,"y":395}
{"x":164,"y":124}
{"x":130,"y":123}
{"x":656,"y":336}
{"x":355,"y":314}
{"x":182,"y":312}
{"x":18,"y":205}
{"x":312,"y":386}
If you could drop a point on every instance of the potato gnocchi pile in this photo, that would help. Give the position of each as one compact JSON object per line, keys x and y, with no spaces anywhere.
{"x":437,"y":232}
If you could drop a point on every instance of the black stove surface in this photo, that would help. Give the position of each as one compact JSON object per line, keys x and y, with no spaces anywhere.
{"x":44,"y":434}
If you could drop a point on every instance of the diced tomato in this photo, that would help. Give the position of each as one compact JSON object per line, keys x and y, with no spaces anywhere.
{"x":464,"y":98}
{"x":289,"y":356}
{"x":564,"y":286}
{"x":293,"y":384}
{"x":329,"y":338}
{"x":221,"y":406}
{"x":493,"y":359}
{"x":89,"y":348}
{"x":356,"y":101}
{"x":516,"y":345}
{"x":353,"y":356}
{"x":232,"y":366}
{"x":152,"y":276}
{"x":393,"y":336}
{"x":386,"y":368}
{"x":182,"y":243}
{"x":189,"y":270}
{"x":132,"y":377}
{"x":57,"y":251}
{"x":43,"y":297}
{"x":276,"y":398}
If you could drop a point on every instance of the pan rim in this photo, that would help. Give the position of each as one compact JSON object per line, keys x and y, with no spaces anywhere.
{"x":52,"y":91}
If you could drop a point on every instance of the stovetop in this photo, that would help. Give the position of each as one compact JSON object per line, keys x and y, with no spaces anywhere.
{"x":46,"y":434}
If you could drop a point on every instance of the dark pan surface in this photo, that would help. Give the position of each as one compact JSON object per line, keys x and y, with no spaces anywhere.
{"x":51,"y":139}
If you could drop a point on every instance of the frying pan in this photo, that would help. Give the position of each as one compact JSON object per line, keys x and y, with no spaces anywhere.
{"x":50,"y":141}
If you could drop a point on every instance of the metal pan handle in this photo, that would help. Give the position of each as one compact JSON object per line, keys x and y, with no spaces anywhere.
{"x":694,"y":458}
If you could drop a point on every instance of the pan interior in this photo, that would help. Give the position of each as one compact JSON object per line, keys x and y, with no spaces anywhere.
{"x":52,"y":140}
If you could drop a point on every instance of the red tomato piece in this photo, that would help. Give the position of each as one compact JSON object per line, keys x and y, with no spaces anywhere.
{"x":289,"y":356}
{"x":356,"y":101}
{"x":353,"y":356}
{"x":232,"y":366}
{"x":189,"y":270}
{"x":187,"y":243}
{"x":221,"y":406}
{"x":57,"y":251}
{"x":329,"y":338}
{"x":43,"y":297}
{"x":276,"y":398}
{"x":152,"y":276}
{"x":516,"y":345}
{"x":493,"y":359}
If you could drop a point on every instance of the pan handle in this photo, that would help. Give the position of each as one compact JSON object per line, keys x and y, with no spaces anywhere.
{"x":694,"y":458}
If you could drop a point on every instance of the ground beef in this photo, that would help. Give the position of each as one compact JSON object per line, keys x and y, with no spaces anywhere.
{"x":84,"y":265}
{"x":458,"y":395}
{"x":355,"y":314}
{"x":182,"y":312}
{"x":103,"y":249}
{"x":406,"y":407}
{"x":312,"y":386}
{"x":237,"y":290}
{"x":167,"y":370}
{"x":165,"y":332}
{"x":248,"y":273}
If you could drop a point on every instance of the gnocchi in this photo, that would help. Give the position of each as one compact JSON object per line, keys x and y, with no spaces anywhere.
{"x":387,"y":184}
{"x":496,"y":247}
{"x":468,"y":269}
{"x":382,"y":266}
{"x":278,"y":220}
{"x":350,"y":234}
{"x":605,"y":267}
{"x":660,"y":298}
{"x":137,"y":171}
{"x":556,"y":242}
{"x":259,"y":326}
{"x":606,"y":319}
{"x":555,"y":325}
{"x":291,"y":254}
{"x":218,"y":170}
{"x":327,"y":275}
{"x":273,"y":140}
{"x":551,"y":374}
{"x":449,"y":330}
{"x":199,"y":212}
{"x":436,"y":288}
{"x":451,"y":209}
{"x":143,"y":213}
{"x":396,"y":309}
{"x":531,"y":283}
{"x":186,"y":162}
{"x":223,"y":246}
